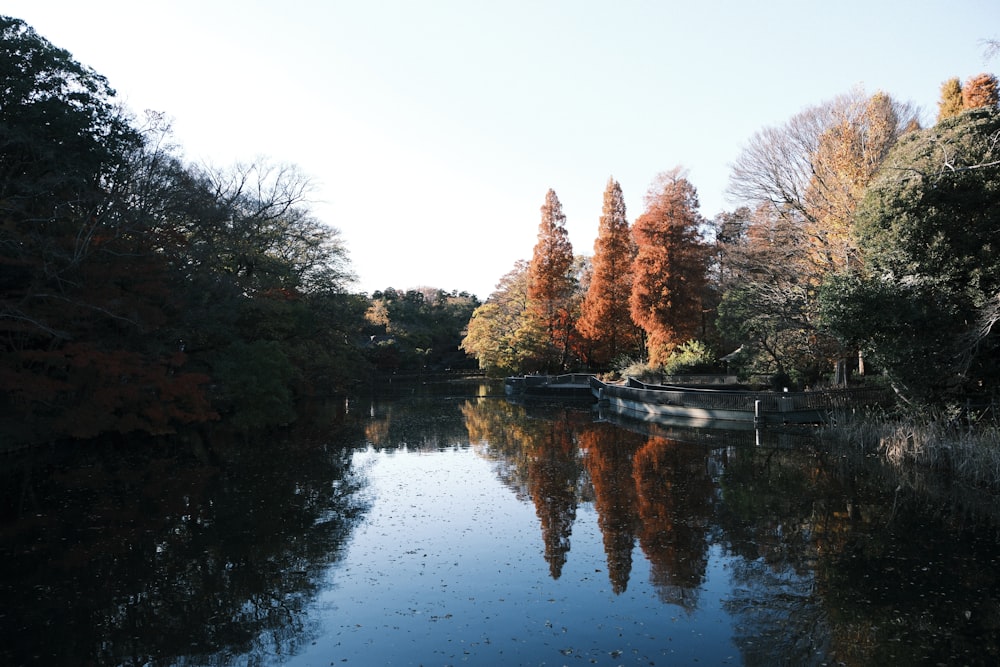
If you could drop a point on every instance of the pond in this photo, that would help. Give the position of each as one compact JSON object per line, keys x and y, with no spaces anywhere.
{"x":445,"y":524}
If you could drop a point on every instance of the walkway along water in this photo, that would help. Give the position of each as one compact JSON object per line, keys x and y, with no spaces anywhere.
{"x":653,"y":402}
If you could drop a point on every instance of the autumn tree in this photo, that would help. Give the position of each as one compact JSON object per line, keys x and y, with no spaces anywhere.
{"x":605,"y":320}
{"x":765,"y":304}
{"x":550,"y":280}
{"x":980,"y":91}
{"x":847,"y":155}
{"x":950,"y":103}
{"x":669,"y":267}
{"x":814,"y":169}
{"x":809,"y":175}
{"x":927,"y":296}
{"x":503,"y":334}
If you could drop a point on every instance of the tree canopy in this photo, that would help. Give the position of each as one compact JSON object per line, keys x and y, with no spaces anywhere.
{"x":925,"y":299}
{"x":551,"y":283}
{"x":138,"y":293}
{"x":670,"y":266}
{"x":605,"y":321}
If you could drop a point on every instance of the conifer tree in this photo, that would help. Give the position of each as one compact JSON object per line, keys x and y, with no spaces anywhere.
{"x":670,"y":266}
{"x":951,"y":99}
{"x":605,"y":318}
{"x":550,"y":279}
{"x":980,"y":91}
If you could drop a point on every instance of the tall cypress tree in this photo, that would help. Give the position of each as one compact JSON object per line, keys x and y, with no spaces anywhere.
{"x":670,"y":266}
{"x":605,"y":319}
{"x":550,"y":281}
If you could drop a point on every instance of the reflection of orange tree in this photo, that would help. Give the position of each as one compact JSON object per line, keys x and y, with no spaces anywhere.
{"x":377,"y":430}
{"x":674,"y":492}
{"x":537,"y":455}
{"x":608,"y":452}
{"x":553,"y":478}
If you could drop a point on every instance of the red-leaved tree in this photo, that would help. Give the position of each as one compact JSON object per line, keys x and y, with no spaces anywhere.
{"x":670,"y":266}
{"x":550,"y":279}
{"x":605,"y":321}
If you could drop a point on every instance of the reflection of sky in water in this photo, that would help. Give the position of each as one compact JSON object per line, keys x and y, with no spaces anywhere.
{"x":449,"y":566}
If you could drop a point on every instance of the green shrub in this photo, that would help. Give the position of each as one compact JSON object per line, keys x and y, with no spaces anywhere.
{"x":690,"y":358}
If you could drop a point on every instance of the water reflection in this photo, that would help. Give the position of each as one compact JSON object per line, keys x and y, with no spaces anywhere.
{"x":830,"y":555}
{"x":493,"y":533}
{"x":651,"y":490}
{"x":209,"y":550}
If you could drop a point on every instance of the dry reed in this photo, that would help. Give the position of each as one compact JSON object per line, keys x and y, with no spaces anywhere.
{"x":968,"y":451}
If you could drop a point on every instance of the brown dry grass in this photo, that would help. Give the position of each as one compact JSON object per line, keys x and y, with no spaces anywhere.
{"x":970,"y":452}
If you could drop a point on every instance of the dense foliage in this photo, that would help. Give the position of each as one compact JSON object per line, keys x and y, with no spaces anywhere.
{"x":925,"y":299}
{"x":605,"y":323}
{"x":866,"y":244}
{"x":551,"y":284}
{"x":139,"y":293}
{"x":418,"y":330}
{"x":669,"y":267}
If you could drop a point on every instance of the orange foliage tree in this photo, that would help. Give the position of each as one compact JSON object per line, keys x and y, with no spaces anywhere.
{"x":608,"y":453}
{"x":847,"y":155}
{"x":550,"y":280}
{"x":670,"y":266}
{"x":605,"y":321}
{"x":980,"y":91}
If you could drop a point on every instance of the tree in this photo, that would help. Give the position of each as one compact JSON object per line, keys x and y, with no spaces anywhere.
{"x":847,"y":155}
{"x":503,"y":334}
{"x":550,"y":280}
{"x":605,"y":319}
{"x":924,"y":300}
{"x":814,"y":169}
{"x":951,"y":99}
{"x":809,"y":176}
{"x":980,"y":91}
{"x":129,"y":280}
{"x":669,"y":267}
{"x":85,"y":286}
{"x":423,"y":327}
{"x":764,"y":309}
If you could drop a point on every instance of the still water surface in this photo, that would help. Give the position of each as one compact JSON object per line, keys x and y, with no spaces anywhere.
{"x":447,"y":525}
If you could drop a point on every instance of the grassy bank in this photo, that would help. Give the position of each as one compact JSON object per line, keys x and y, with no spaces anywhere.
{"x":970,"y":452}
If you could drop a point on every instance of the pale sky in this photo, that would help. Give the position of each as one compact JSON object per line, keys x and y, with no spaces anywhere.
{"x":433,"y":129}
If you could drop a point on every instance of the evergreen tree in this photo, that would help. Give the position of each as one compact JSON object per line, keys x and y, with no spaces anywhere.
{"x":605,"y":320}
{"x":924,"y":302}
{"x":670,"y":266}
